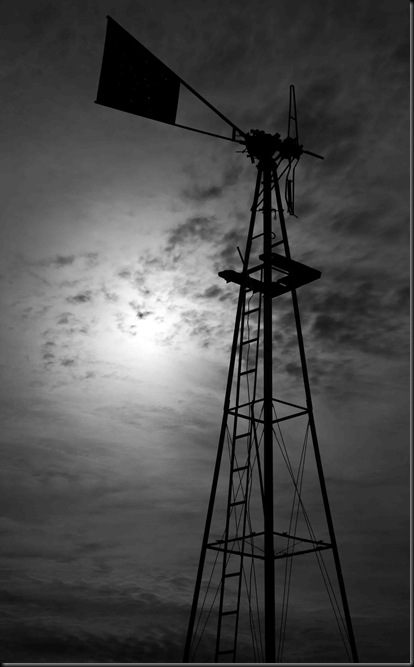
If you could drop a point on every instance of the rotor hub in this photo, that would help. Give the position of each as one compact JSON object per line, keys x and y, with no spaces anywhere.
{"x":261,"y":145}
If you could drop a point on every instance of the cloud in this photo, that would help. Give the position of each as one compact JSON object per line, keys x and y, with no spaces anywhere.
{"x":111,"y":297}
{"x":294,"y":369}
{"x":213,"y":292}
{"x":139,"y":310}
{"x":370,"y":220}
{"x":76,"y":325}
{"x":227,"y":246}
{"x":138,"y":278}
{"x":369,"y":315}
{"x":125,"y":273}
{"x":201,"y":193}
{"x":88,"y":259}
{"x":51,"y":645}
{"x":82,"y":297}
{"x":63,"y":260}
{"x":67,"y":361}
{"x":200,"y":325}
{"x":124,"y":326}
{"x":195,"y":228}
{"x":92,"y":259}
{"x":97,"y":626}
{"x":332,"y":134}
{"x":66,"y":318}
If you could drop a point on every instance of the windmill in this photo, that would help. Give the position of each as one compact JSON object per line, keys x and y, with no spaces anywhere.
{"x":248,"y":535}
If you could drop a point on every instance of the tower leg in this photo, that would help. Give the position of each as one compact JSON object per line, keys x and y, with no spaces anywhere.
{"x":269,"y":556}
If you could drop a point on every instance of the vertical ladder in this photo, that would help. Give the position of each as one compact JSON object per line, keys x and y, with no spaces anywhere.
{"x":237,"y":514}
{"x":240,"y":432}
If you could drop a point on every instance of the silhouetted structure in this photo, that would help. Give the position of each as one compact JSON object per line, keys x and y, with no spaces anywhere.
{"x":236,"y":615}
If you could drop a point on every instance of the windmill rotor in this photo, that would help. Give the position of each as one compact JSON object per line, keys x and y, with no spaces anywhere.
{"x":260,"y":145}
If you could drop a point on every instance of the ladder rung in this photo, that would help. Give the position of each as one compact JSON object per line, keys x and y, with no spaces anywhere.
{"x":251,"y":340}
{"x":242,"y":435}
{"x":253,"y":310}
{"x":257,"y":236}
{"x":251,"y":370}
{"x":240,"y":469}
{"x":233,"y":574}
{"x":277,"y":243}
{"x":238,"y":502}
{"x":227,"y":613}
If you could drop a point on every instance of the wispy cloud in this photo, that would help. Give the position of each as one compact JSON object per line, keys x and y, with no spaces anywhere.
{"x":194,"y":229}
{"x":196,"y":191}
{"x":82,"y":297}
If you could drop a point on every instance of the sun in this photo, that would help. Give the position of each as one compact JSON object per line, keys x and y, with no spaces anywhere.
{"x":151,"y":328}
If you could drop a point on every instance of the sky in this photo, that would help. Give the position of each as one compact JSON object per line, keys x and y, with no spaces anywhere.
{"x":116,"y":329}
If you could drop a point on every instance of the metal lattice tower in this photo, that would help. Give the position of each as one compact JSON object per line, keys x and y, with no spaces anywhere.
{"x":251,"y":429}
{"x":258,"y":521}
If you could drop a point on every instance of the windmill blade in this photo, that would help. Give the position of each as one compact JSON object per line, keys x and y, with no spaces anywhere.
{"x":293,"y":118}
{"x":134,"y":80}
{"x":293,"y":141}
{"x":290,"y":188}
{"x":313,"y":154}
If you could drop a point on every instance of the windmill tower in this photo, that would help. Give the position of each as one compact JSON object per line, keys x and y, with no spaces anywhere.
{"x":256,"y":535}
{"x":258,"y":522}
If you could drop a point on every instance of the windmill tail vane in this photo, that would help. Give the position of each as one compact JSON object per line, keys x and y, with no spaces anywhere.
{"x":249,"y":538}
